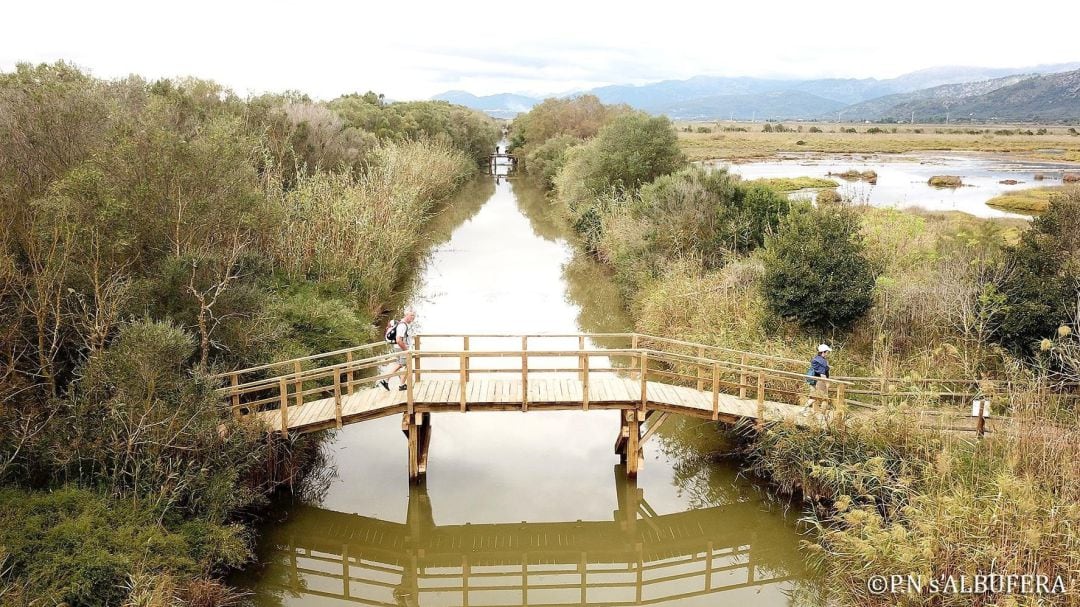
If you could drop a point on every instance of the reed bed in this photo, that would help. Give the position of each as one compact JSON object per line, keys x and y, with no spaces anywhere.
{"x":888,"y":498}
{"x":361,"y":229}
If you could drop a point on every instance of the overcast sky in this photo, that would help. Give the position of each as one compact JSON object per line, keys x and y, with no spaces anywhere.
{"x":419,"y":48}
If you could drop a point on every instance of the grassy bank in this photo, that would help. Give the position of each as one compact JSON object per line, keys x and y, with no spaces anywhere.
{"x":157,"y":232}
{"x":725,"y":143}
{"x":1031,"y":201}
{"x":791,"y":184}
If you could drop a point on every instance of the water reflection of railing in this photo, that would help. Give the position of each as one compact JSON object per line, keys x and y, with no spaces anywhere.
{"x":638,"y":558}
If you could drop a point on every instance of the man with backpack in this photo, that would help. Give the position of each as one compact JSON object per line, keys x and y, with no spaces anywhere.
{"x":400,"y":334}
{"x":819,"y":388}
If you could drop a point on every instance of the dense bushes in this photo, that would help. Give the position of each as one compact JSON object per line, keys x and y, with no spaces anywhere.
{"x":706,"y":215}
{"x":162,"y":471}
{"x":1042,"y":276}
{"x":77,"y":547}
{"x":150,"y":232}
{"x":632,"y":150}
{"x":546,"y":160}
{"x":467,"y":130}
{"x":816,"y":270}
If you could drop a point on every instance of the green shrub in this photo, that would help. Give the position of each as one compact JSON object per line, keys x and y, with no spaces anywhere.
{"x":468,"y":131}
{"x":75,"y":546}
{"x":814,"y":129}
{"x":945,"y":181}
{"x":320,"y":322}
{"x":706,"y":215}
{"x":546,"y":160}
{"x":816,"y":269}
{"x":828,"y":196}
{"x":1044,"y":269}
{"x":633,"y":150}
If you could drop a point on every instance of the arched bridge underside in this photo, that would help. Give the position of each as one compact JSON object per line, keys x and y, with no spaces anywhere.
{"x":647,"y":378}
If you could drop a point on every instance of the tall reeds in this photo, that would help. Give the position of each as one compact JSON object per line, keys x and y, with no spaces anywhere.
{"x":892,"y":499}
{"x":361,"y":230}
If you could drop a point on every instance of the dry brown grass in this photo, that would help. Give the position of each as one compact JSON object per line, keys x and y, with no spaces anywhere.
{"x":1057,"y":144}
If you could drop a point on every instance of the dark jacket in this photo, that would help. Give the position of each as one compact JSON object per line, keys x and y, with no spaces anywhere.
{"x":819,"y":366}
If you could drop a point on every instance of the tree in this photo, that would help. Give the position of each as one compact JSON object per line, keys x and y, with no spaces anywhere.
{"x":633,"y":150}
{"x":816,"y":269}
{"x":580,"y":117}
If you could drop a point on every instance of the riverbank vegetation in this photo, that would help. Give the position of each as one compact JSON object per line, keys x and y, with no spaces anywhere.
{"x":1030,"y":201}
{"x":791,"y":184}
{"x":150,"y":234}
{"x":913,"y":296}
{"x":747,"y":140}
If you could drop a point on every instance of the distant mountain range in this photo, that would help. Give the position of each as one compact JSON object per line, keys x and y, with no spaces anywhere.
{"x":1046,"y":98}
{"x":503,"y":105}
{"x":1045,"y":92}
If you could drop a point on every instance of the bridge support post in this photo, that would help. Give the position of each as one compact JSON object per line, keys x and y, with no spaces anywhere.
{"x":628,"y":496}
{"x":628,"y":443}
{"x":417,"y":428}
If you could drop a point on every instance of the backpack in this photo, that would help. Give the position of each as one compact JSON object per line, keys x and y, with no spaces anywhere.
{"x":391,"y":332}
{"x":810,"y":376}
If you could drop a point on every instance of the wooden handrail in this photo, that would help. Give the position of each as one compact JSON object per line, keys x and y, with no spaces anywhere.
{"x":296,"y":360}
{"x":635,"y":339}
{"x":292,"y":383}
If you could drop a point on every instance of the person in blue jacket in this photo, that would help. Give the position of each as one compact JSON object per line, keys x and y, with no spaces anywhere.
{"x":817,"y":377}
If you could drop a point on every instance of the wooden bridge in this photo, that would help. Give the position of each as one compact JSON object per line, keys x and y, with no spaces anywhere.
{"x":504,"y":160}
{"x":645,"y":377}
{"x":638,"y":557}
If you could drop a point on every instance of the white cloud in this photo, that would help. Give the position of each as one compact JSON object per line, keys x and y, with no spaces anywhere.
{"x":415,"y":49}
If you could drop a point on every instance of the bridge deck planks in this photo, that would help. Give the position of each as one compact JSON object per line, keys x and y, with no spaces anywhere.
{"x":494,"y":393}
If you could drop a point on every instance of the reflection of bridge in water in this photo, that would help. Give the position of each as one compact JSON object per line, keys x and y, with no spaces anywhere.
{"x":637,"y":558}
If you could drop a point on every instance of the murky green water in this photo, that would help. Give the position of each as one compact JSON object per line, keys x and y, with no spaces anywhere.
{"x":525,"y":508}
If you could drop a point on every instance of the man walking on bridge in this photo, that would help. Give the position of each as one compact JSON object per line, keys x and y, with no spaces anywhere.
{"x":400,"y":334}
{"x":819,"y":388}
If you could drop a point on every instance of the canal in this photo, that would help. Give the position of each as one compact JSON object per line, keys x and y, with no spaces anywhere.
{"x":532,"y":508}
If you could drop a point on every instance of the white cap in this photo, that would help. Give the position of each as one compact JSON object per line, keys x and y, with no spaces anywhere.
{"x":823,"y":348}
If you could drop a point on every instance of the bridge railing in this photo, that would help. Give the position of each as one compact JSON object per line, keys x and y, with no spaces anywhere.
{"x":289,"y":384}
{"x":572,"y":578}
{"x":715,"y":369}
